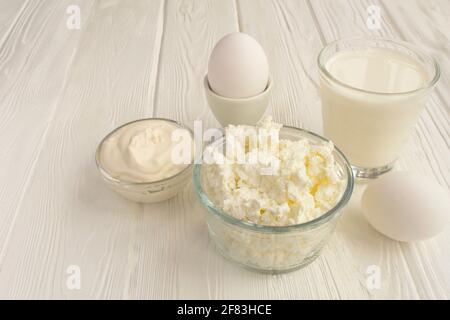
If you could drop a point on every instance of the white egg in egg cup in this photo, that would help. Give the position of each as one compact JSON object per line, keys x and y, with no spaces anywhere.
{"x":240,"y":111}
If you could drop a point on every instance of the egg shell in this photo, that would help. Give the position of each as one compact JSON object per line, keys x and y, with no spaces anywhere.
{"x":238,"y":67}
{"x":406,"y":206}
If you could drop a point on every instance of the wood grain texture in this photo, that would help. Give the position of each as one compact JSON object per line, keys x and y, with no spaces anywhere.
{"x":62,"y":90}
{"x":10,"y":11}
{"x":68,"y":217}
{"x":32,"y":75}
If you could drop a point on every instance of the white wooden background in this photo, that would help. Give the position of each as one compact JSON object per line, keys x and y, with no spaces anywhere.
{"x":62,"y":90}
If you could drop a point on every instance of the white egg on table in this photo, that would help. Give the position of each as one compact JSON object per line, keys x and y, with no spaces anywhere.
{"x":238,"y":67}
{"x":406,"y":206}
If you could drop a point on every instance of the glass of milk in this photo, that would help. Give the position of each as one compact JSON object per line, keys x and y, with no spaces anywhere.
{"x":373,"y":91}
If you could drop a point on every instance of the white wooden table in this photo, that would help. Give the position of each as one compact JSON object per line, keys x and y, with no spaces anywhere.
{"x":63,"y":89}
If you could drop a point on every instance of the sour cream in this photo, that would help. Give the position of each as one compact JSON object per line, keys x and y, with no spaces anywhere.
{"x":146,"y":151}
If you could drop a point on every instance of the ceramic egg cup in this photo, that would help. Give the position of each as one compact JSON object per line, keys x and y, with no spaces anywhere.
{"x":245,"y":111}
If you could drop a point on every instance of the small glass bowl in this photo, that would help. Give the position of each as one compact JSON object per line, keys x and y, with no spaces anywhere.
{"x":273,"y":249}
{"x":147,"y":192}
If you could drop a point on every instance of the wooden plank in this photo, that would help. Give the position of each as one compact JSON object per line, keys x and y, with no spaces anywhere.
{"x":68,"y":216}
{"x":32,"y":75}
{"x":172,"y":255}
{"x":415,"y":270}
{"x":10,"y":12}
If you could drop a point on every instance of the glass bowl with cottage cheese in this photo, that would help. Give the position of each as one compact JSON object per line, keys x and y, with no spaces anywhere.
{"x":272,"y":194}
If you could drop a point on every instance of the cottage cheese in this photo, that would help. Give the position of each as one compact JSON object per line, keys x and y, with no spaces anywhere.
{"x":277,"y":182}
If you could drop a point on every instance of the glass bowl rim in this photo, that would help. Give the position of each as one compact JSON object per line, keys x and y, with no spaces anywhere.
{"x":345,"y":197}
{"x":121,"y":182}
{"x":420,"y":52}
